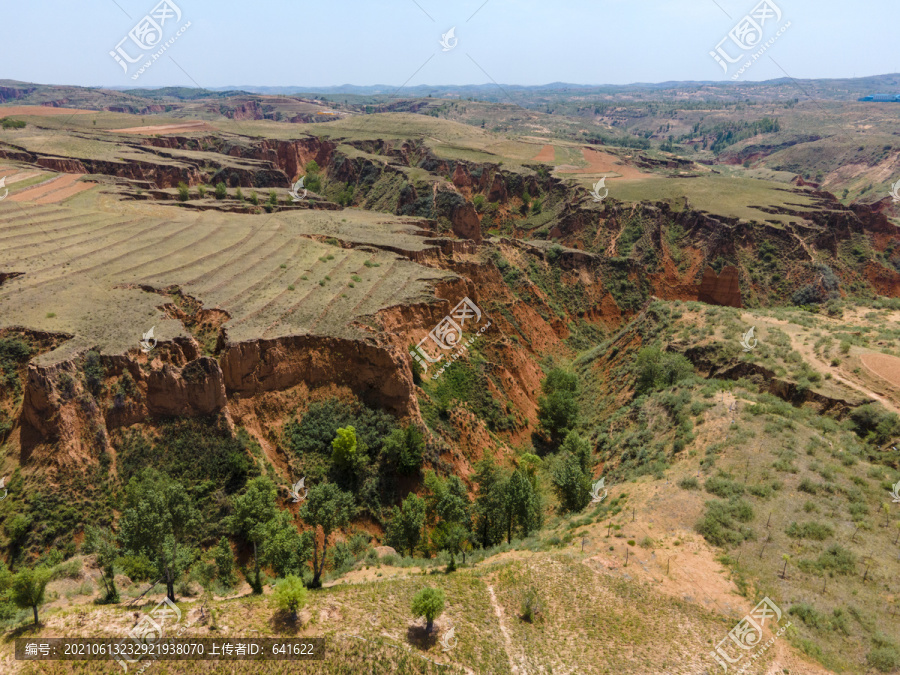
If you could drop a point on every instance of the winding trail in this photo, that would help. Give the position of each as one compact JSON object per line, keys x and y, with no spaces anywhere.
{"x":810,"y":355}
{"x":507,"y":641}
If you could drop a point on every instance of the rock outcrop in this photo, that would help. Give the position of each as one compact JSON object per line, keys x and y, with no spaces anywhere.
{"x":721,"y":289}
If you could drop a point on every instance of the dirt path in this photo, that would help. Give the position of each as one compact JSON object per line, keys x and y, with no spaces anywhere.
{"x":809,"y":354}
{"x":884,"y":366}
{"x":507,"y":641}
{"x":166,"y":128}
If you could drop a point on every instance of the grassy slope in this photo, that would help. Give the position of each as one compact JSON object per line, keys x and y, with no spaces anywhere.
{"x":790,"y":464}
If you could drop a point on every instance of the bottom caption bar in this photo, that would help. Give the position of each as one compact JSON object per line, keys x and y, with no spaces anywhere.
{"x":169,"y":649}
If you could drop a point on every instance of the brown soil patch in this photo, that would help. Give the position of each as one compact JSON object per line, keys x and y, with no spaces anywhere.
{"x":62,"y":194}
{"x":41,"y":111}
{"x":54,"y":190}
{"x":884,"y":366}
{"x":547,"y":154}
{"x":166,"y":128}
{"x":603,"y":162}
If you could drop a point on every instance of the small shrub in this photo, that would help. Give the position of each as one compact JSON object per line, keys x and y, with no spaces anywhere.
{"x":807,"y":614}
{"x":532,"y":607}
{"x":835,"y":559}
{"x":221,"y":190}
{"x":720,"y":523}
{"x":807,"y":486}
{"x":429,"y":602}
{"x":817,"y":531}
{"x":289,"y":595}
{"x":723,"y":487}
{"x":184,"y":192}
{"x":689,"y":483}
{"x":885,"y":659}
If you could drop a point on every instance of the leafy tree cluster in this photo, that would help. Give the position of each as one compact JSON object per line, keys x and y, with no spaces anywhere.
{"x":506,"y":503}
{"x":361,"y":450}
{"x":313,"y":181}
{"x":14,"y":353}
{"x":558,"y":405}
{"x":656,"y":369}
{"x":571,"y":467}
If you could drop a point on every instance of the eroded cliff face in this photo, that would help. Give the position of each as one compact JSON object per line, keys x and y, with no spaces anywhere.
{"x":67,"y":420}
{"x":75,"y":414}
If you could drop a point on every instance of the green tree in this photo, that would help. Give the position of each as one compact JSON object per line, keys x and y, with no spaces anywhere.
{"x":451,"y":537}
{"x":580,"y":448}
{"x":184,"y":192}
{"x":571,"y":482}
{"x":221,"y":191}
{"x":488,"y":509}
{"x":558,"y":404}
{"x":252,"y":513}
{"x":521,"y":508}
{"x":159,"y":522}
{"x":429,"y":602}
{"x":313,"y":182}
{"x":404,"y":449}
{"x":285,"y":550}
{"x":343,"y":447}
{"x":656,"y":369}
{"x":329,"y":508}
{"x":447,"y":505}
{"x":404,"y":529}
{"x":530,"y":464}
{"x":28,"y":588}
{"x":224,"y":557}
{"x":102,"y":542}
{"x":289,"y":595}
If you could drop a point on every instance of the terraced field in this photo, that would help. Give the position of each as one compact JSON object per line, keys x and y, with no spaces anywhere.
{"x":83,"y":269}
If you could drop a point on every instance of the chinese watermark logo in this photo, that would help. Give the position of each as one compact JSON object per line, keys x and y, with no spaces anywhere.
{"x":448,"y":335}
{"x":150,"y":628}
{"x":295,"y":190}
{"x":5,"y":190}
{"x":449,"y":40}
{"x":595,"y":193}
{"x":596,"y":497}
{"x":148,"y":35}
{"x":449,"y":640}
{"x":747,"y":635}
{"x":895,"y":191}
{"x":148,"y":341}
{"x":895,"y":493}
{"x":295,"y":491}
{"x":3,"y":487}
{"x":748,"y":35}
{"x":748,"y":342}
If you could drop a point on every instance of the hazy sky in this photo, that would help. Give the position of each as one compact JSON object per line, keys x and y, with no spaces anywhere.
{"x":333,"y":42}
